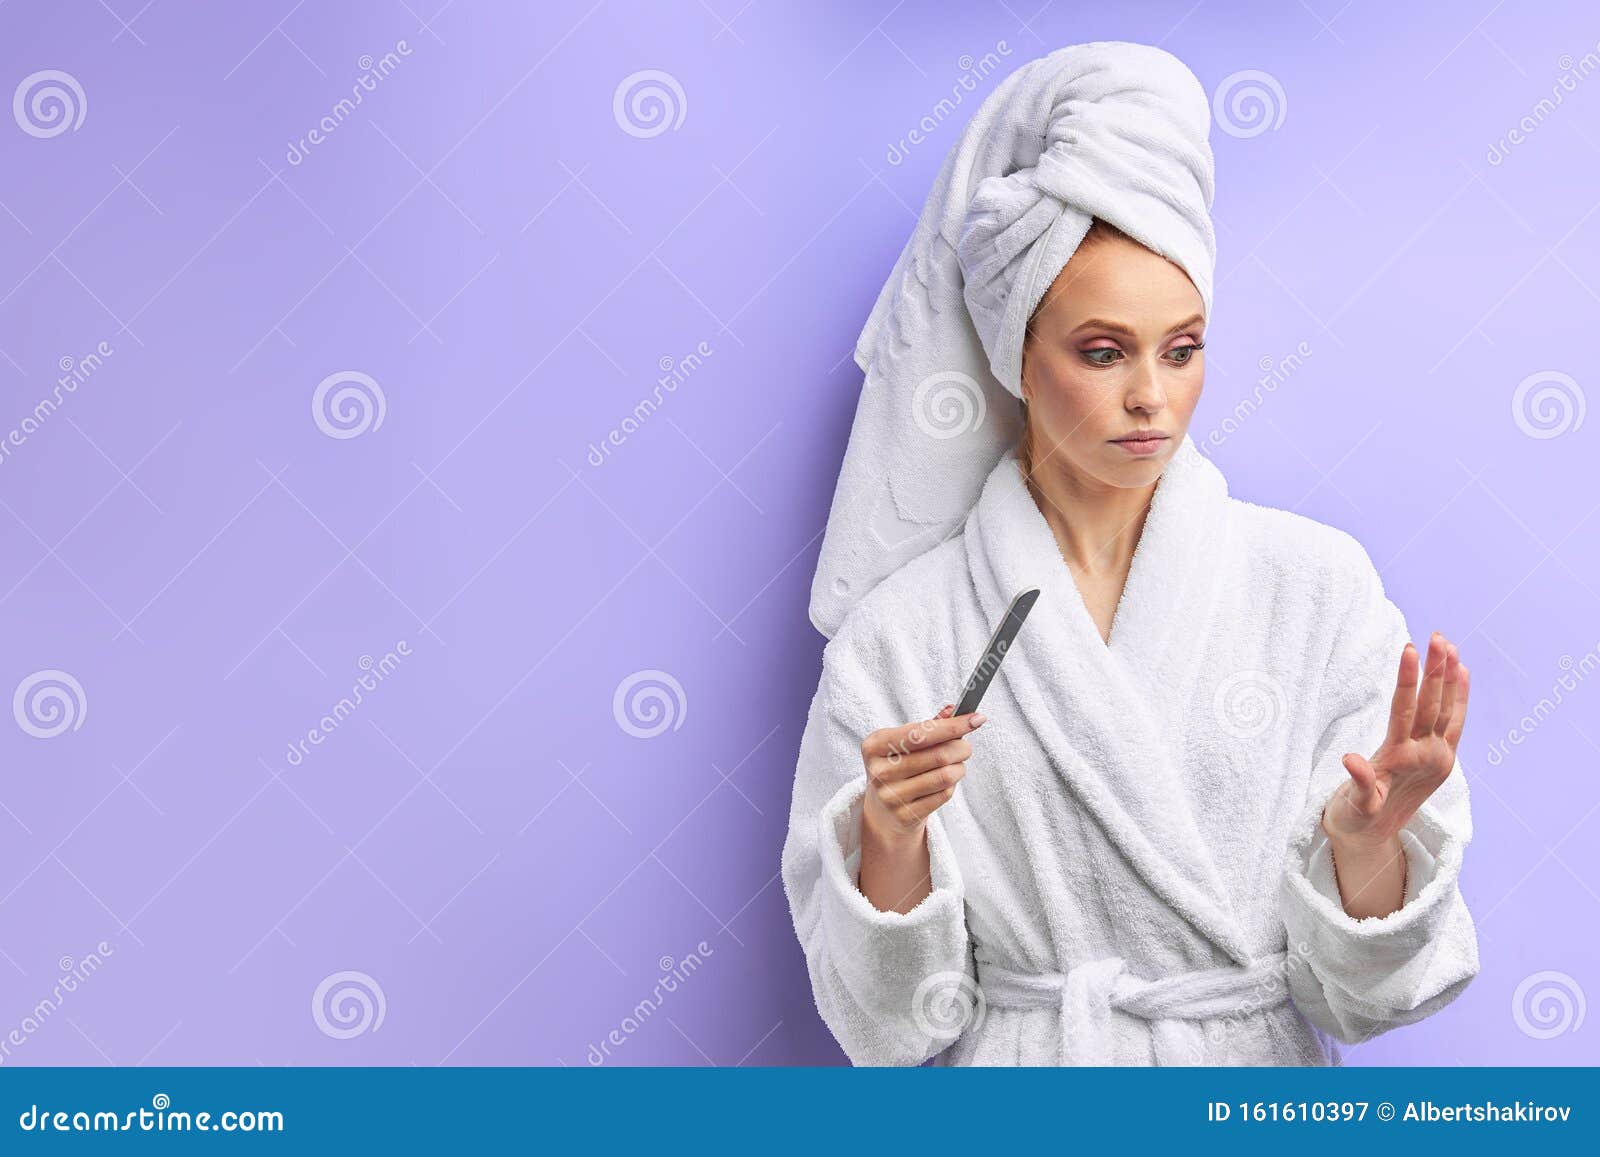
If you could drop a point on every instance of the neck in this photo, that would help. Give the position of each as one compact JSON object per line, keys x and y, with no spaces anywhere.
{"x":1096,"y":526}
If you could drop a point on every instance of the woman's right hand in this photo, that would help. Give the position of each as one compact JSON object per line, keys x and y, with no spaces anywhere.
{"x":912,"y":771}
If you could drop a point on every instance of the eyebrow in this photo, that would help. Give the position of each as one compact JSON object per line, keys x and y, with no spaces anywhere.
{"x":1118,"y":327}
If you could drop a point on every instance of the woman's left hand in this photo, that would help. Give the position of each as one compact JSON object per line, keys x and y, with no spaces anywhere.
{"x":1417,"y":755}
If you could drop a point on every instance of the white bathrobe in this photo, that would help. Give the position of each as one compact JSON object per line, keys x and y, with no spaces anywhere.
{"x":1133,"y":870}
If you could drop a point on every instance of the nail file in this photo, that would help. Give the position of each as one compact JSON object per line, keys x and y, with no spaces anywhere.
{"x":983,"y":674}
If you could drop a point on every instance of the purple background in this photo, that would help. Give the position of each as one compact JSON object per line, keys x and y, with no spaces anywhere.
{"x":484,"y":239}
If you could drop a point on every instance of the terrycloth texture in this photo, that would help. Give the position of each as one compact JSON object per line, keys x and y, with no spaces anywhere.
{"x":1111,"y":130}
{"x":1135,"y":816}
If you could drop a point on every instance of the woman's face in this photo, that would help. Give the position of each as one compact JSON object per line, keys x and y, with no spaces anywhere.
{"x":1112,"y":352}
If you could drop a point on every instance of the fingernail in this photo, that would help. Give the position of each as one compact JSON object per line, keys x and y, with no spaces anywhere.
{"x":978,"y":719}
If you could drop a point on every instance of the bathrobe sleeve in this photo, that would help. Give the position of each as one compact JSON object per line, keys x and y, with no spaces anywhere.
{"x":1355,"y":979}
{"x":883,"y":982}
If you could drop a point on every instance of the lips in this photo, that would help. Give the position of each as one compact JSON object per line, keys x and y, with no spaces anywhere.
{"x":1142,"y":445}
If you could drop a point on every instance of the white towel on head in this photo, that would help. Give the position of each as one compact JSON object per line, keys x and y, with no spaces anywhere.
{"x":1109,"y":129}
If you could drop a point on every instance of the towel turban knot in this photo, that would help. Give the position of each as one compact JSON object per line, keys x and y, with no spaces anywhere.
{"x":1124,"y":139}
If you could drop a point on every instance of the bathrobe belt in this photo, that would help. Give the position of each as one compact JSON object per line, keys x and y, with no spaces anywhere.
{"x":1088,"y":996}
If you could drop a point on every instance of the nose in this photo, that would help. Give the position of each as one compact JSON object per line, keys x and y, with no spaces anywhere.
{"x":1144,"y":390}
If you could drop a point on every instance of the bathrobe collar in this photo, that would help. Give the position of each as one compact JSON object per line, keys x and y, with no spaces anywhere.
{"x":1111,"y":718}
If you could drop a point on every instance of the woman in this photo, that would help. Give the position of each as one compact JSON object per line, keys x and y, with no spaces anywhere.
{"x":1214,"y":814}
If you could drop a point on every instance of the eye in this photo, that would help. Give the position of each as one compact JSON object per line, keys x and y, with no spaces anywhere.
{"x":1094,"y":358}
{"x":1187,"y":352}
